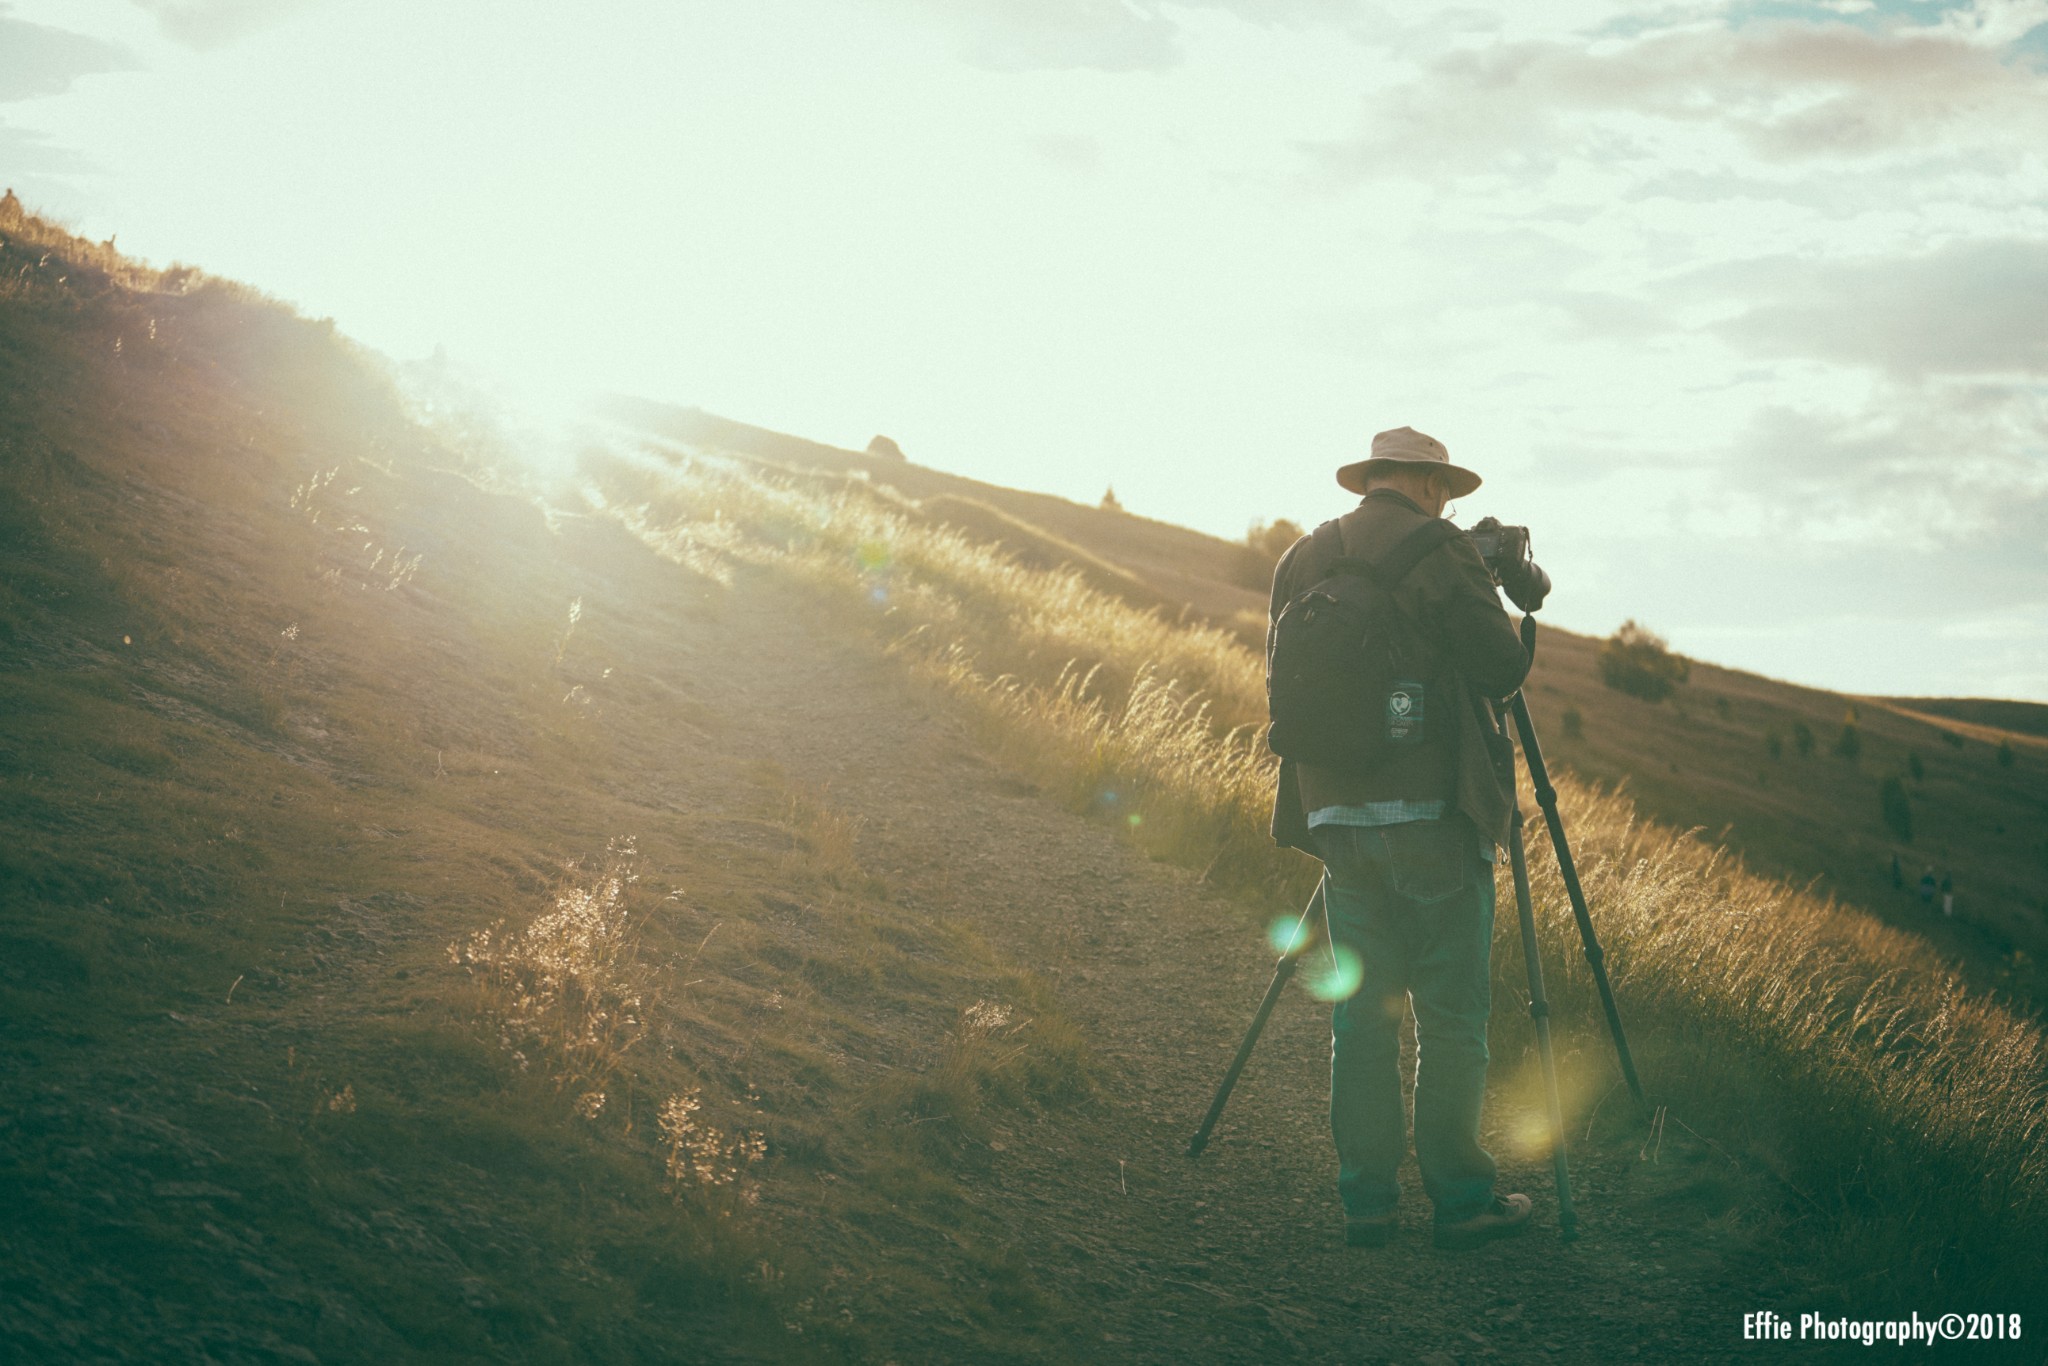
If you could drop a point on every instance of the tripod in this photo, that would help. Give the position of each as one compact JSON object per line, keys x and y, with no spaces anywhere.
{"x":1309,"y":929}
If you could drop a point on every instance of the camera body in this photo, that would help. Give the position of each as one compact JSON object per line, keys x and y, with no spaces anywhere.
{"x":1505,"y":549}
{"x":1500,"y":545}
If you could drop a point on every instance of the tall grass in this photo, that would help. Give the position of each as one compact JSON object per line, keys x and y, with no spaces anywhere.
{"x":568,"y":989}
{"x":1903,"y":1115}
{"x":1015,"y":620}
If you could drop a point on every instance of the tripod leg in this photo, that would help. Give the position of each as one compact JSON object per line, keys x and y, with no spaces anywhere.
{"x":1539,"y":1013}
{"x":1596,"y":957}
{"x":1306,"y":932}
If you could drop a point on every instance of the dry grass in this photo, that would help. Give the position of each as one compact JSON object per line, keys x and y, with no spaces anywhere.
{"x":703,"y":1159}
{"x":1012,"y":619}
{"x":48,"y":257}
{"x":569,"y":990}
{"x":1904,"y":1114}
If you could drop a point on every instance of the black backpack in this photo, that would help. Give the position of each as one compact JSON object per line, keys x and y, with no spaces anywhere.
{"x":1348,"y":673}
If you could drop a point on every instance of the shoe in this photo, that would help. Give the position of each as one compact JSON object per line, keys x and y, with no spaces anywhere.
{"x":1505,"y":1217}
{"x":1374,"y":1231}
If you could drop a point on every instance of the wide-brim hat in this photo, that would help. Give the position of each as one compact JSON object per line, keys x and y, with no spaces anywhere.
{"x":1406,"y":446}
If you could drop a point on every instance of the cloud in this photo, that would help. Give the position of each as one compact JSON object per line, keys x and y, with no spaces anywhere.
{"x":207,"y":24}
{"x":1782,"y":91}
{"x":1957,"y":468}
{"x":36,"y":60}
{"x":1101,"y":35}
{"x":1069,"y":152}
{"x":1055,"y":35}
{"x":27,"y":153}
{"x":1973,"y":307}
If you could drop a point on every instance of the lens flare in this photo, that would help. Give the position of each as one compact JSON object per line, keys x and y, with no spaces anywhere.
{"x":1285,"y":934}
{"x":872,"y":556}
{"x":1339,"y":978}
{"x":1580,"y":1085}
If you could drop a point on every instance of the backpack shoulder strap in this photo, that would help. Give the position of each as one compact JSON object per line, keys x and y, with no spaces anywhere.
{"x":1325,"y":548}
{"x":1395,"y":565}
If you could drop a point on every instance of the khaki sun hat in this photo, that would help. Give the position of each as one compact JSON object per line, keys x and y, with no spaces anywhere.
{"x":1406,"y":446}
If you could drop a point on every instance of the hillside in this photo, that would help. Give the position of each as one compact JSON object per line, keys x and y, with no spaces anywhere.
{"x":1160,"y":564}
{"x":696,"y":915}
{"x":1704,"y":759}
{"x":1987,"y":715}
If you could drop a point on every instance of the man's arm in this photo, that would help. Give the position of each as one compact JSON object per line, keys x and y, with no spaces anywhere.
{"x":1290,"y":823}
{"x":1476,"y":633}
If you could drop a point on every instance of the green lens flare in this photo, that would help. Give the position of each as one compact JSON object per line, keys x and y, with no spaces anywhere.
{"x":1339,"y":980}
{"x":1285,"y":934}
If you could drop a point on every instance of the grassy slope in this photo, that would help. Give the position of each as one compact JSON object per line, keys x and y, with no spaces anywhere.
{"x":252,"y":1105}
{"x":287,"y":705}
{"x":1171,"y":564}
{"x":1688,"y":762}
{"x":1900,"y":1111}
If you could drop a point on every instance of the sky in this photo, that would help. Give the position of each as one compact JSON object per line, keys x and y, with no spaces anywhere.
{"x":1742,"y":307}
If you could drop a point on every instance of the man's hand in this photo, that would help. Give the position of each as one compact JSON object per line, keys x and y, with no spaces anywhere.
{"x":1525,"y":584}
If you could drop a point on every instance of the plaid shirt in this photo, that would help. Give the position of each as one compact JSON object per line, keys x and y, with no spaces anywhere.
{"x":1376,"y":813}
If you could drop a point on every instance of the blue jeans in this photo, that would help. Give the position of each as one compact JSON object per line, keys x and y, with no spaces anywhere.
{"x":1414,"y":901}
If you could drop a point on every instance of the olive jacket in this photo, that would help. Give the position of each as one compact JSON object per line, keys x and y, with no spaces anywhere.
{"x":1464,"y":759}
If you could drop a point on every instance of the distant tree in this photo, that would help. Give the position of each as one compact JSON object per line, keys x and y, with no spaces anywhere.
{"x":1721,"y":707}
{"x":882,"y":448}
{"x":1635,"y":660}
{"x":1574,"y":724}
{"x":1849,"y":743}
{"x":1914,"y":767}
{"x":1109,"y":502}
{"x":1897,"y":811}
{"x":1951,"y":739}
{"x":1802,"y":739}
{"x":2005,"y":754}
{"x":1273,"y":538}
{"x":1263,"y":546}
{"x":1774,"y":744}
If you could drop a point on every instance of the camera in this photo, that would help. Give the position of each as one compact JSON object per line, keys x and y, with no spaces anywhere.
{"x":1506,"y":552}
{"x":1498,"y":544}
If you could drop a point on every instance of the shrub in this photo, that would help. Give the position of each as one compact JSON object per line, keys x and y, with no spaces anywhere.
{"x":1264,"y":544}
{"x":2005,"y":755}
{"x":1915,"y":768}
{"x":1897,"y":811}
{"x":1637,"y":661}
{"x":882,"y":448}
{"x":1721,"y":708}
{"x":1849,"y":744}
{"x":1774,"y":744}
{"x":1951,"y":739}
{"x":1109,"y":500}
{"x":1574,"y":724}
{"x":1802,"y":738}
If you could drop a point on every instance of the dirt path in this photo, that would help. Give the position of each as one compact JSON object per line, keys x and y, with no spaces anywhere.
{"x":1237,"y":1257}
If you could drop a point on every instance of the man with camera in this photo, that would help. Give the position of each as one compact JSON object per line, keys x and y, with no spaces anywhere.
{"x":1392,"y":774}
